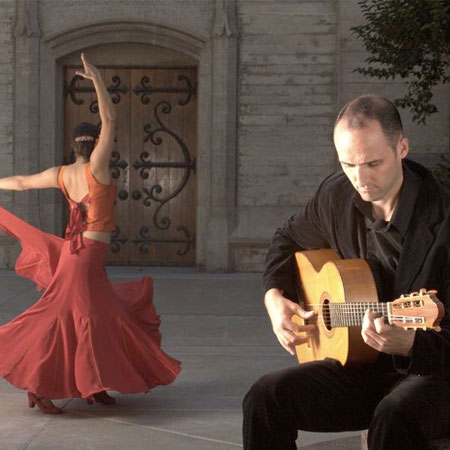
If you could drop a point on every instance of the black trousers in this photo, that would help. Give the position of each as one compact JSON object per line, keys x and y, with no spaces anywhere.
{"x":401,"y":412}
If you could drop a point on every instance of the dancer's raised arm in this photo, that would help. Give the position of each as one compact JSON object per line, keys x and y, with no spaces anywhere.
{"x":43,"y":180}
{"x":100,"y":156}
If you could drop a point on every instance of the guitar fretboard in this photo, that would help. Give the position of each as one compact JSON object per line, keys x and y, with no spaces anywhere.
{"x":351,"y":314}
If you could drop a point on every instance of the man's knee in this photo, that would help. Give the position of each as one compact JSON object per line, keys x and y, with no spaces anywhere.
{"x":271,"y":389}
{"x":258,"y":394}
{"x":390,"y":411}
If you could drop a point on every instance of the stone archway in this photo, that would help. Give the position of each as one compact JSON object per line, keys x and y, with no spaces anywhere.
{"x":62,"y":48}
{"x":217,"y":74}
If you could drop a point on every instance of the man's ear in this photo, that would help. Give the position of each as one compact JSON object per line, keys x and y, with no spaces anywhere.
{"x":403,"y":147}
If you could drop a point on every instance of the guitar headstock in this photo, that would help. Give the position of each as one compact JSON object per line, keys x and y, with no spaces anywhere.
{"x":418,"y":310}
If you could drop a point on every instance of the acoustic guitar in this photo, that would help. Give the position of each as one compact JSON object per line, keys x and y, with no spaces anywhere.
{"x":340,"y":291}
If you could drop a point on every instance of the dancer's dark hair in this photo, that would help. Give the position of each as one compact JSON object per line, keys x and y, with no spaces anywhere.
{"x":84,"y":136}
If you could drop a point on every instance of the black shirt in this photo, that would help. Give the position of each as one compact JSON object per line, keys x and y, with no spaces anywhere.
{"x":384,"y":240}
{"x":331,"y":220}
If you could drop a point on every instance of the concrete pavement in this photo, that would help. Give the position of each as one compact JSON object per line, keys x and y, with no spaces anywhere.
{"x":215,"y":324}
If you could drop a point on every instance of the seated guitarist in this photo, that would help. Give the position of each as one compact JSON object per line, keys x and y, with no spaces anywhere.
{"x":390,"y":211}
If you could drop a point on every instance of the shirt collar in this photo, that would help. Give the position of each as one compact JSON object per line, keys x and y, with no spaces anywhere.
{"x":404,"y":210}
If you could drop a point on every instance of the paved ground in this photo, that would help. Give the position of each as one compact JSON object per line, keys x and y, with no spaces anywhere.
{"x":216,"y":325}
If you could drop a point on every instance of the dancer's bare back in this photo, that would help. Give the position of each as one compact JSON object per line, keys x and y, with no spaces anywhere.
{"x":76,"y":185}
{"x":74,"y":176}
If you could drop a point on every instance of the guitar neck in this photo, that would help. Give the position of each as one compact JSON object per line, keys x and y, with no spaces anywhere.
{"x":352,"y":313}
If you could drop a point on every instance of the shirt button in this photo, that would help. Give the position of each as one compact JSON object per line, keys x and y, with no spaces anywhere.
{"x":373,"y":258}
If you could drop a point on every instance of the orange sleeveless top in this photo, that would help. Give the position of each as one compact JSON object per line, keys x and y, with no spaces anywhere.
{"x":99,"y":214}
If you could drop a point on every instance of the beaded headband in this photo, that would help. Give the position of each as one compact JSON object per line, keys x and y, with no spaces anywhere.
{"x":84,"y":138}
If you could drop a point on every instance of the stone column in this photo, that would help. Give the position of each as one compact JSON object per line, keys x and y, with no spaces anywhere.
{"x":26,"y":104}
{"x":223,"y":137}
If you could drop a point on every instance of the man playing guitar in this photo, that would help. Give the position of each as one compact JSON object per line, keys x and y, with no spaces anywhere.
{"x":391,"y":212}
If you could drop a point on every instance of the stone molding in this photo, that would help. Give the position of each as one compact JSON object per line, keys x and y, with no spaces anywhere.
{"x":27,"y":20}
{"x":224,"y":132}
{"x":225,"y":23}
{"x":113,"y":31}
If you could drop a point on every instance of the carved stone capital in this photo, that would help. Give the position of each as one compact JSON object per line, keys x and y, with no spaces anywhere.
{"x":27,"y":22}
{"x":225,"y":23}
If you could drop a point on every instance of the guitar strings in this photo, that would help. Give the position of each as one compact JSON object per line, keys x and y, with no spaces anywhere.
{"x":354,"y":304}
{"x":396,"y":317}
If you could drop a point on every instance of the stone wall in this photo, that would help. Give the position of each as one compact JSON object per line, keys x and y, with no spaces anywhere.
{"x":287,"y":99}
{"x":191,"y":16}
{"x":296,"y":70}
{"x":7,"y":16}
{"x":272,"y":76}
{"x":288,"y":91}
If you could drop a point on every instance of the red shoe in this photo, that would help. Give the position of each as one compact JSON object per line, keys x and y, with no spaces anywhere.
{"x":33,"y":399}
{"x":101,"y":397}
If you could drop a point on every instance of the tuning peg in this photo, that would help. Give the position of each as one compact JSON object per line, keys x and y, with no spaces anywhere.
{"x":424,"y":291}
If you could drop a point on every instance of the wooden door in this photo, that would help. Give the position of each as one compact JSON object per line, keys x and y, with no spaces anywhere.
{"x":153,"y":162}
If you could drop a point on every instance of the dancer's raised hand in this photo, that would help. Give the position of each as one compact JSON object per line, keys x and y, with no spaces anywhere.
{"x":90,"y":71}
{"x":99,"y":159}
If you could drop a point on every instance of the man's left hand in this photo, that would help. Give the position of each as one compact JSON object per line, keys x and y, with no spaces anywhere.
{"x":386,"y":338}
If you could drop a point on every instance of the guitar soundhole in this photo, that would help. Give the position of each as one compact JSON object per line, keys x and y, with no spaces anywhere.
{"x":326,"y":314}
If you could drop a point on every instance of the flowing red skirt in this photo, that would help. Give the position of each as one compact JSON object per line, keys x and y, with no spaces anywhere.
{"x":85,"y":334}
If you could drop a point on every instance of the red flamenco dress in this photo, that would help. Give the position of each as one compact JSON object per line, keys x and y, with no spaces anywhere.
{"x":85,"y":334}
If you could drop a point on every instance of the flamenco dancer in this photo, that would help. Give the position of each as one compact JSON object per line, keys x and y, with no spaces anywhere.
{"x":85,"y":335}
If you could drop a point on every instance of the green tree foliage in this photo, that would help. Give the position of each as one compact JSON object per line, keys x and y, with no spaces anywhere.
{"x":409,"y":39}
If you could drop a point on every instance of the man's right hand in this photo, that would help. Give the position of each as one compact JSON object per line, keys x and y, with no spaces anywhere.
{"x":280,"y":311}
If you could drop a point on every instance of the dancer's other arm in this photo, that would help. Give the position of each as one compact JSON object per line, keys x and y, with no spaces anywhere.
{"x":43,"y":180}
{"x":100,"y":156}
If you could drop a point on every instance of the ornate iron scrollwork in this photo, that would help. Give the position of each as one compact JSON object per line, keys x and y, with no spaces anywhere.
{"x":145,"y":239}
{"x":115,"y":90}
{"x":115,"y":163}
{"x":71,"y":89}
{"x":117,"y":241}
{"x":145,"y":90}
{"x":145,"y":165}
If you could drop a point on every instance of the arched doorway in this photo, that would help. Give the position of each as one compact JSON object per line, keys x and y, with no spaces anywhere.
{"x":216,"y":59}
{"x":154,"y":160}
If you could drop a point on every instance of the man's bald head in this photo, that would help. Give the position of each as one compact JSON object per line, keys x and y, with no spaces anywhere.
{"x":359,"y":111}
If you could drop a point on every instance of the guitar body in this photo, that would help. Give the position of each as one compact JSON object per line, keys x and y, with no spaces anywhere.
{"x":324,"y":278}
